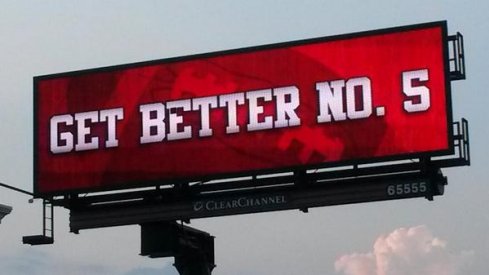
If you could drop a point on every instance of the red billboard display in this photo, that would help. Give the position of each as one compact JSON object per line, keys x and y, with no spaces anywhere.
{"x":359,"y":97}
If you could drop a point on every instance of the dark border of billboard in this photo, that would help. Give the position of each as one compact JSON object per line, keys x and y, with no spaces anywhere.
{"x":129,"y":185}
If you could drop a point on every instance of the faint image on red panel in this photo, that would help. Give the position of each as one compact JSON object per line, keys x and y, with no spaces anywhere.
{"x":408,"y":114}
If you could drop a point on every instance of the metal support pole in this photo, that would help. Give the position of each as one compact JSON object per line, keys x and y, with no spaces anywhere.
{"x":193,"y":262}
{"x":193,"y":249}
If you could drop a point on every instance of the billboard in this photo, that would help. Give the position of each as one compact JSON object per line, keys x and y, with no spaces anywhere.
{"x":360,"y":97}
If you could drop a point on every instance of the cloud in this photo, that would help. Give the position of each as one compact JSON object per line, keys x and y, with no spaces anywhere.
{"x":406,"y":251}
{"x":34,"y":261}
{"x":167,"y":270}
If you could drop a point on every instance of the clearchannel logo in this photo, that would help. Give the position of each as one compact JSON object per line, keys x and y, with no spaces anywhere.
{"x":242,"y":202}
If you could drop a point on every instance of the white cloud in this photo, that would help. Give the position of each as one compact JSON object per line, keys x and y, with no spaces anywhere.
{"x":406,"y":251}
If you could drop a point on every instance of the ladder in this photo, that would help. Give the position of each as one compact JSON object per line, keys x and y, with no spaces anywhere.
{"x":47,"y":236}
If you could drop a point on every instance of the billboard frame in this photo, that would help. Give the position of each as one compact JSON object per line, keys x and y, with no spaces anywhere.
{"x":301,"y":190}
{"x":131,"y":185}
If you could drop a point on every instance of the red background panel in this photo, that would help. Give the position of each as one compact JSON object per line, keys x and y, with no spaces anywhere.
{"x":381,"y":56}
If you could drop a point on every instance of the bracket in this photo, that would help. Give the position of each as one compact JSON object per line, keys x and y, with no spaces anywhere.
{"x":193,"y":249}
{"x":456,"y":56}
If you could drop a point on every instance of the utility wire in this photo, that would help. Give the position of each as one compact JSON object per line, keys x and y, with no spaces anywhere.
{"x":16,"y":189}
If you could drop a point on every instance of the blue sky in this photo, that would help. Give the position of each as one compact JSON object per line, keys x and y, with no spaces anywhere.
{"x":44,"y":37}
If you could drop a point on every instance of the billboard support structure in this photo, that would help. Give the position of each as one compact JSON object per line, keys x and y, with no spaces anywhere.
{"x":296,"y":125}
{"x":47,"y":236}
{"x":301,"y":189}
{"x":456,"y":57}
{"x":193,"y":249}
{"x":47,"y":215}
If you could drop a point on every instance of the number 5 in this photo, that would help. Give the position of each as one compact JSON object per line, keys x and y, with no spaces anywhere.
{"x":422,"y":187}
{"x":419,"y":96}
{"x":415,"y":187}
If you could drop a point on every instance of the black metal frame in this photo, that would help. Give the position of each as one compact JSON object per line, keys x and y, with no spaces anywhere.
{"x":298,"y":187}
{"x":456,"y":57}
{"x":158,"y":206}
{"x":363,"y":182}
{"x":460,"y":157}
{"x":47,"y":236}
{"x":449,"y":75}
{"x":193,"y":249}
